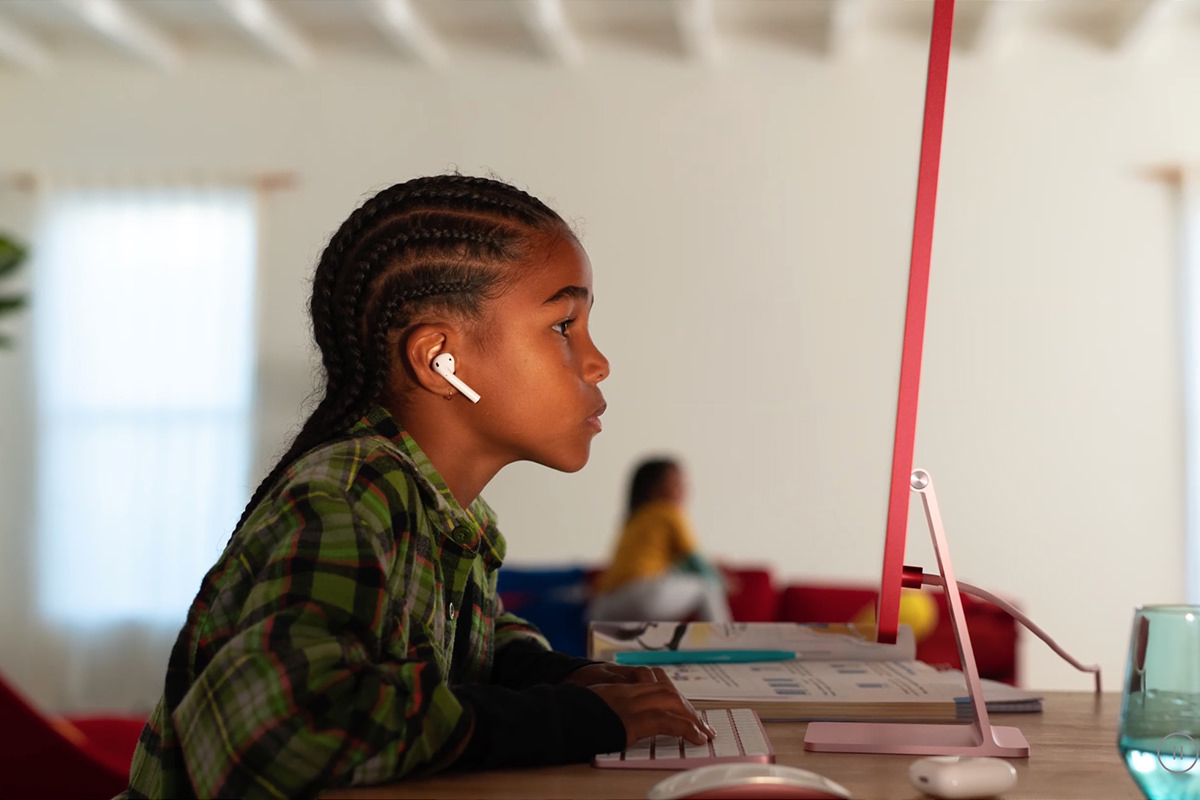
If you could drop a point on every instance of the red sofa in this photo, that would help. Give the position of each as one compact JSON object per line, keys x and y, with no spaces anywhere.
{"x":554,"y":599}
{"x":993,"y":632}
{"x":46,"y":757}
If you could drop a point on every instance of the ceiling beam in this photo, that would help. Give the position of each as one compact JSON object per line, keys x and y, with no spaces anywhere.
{"x":697,"y":24}
{"x":845,"y":16}
{"x":986,"y":26}
{"x":1136,"y":21}
{"x":971,"y":23}
{"x":547,"y":22}
{"x":21,"y":49}
{"x":262,"y":22}
{"x":400,"y":24}
{"x":115,"y":22}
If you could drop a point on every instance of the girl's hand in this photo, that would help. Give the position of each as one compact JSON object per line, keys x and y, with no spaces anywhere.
{"x":652,"y":709}
{"x":615,"y":673}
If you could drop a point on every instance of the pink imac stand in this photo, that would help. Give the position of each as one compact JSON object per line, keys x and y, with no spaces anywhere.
{"x":977,"y":738}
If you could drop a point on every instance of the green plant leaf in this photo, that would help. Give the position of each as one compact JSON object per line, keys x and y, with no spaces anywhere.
{"x":5,"y":342}
{"x":11,"y":255}
{"x":11,"y":303}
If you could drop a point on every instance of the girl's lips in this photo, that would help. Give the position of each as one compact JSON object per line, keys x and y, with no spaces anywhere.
{"x":594,"y":419}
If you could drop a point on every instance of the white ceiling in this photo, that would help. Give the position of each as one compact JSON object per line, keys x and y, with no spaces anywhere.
{"x":37,"y":35}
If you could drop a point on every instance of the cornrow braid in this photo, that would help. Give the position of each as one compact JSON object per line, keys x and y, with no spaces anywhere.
{"x":379,"y":351}
{"x":334,"y":254}
{"x":472,"y":241}
{"x":373,"y":369}
{"x":439,"y":244}
{"x":426,"y":198}
{"x":485,"y":245}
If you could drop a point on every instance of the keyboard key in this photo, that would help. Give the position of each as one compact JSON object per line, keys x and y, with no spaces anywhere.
{"x":641,"y":752}
{"x":666,"y":746}
{"x":749,"y":731}
{"x":720,"y":720}
{"x":740,"y":737}
{"x":726,"y":745}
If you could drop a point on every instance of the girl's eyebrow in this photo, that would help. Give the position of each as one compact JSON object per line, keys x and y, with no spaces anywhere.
{"x":580,"y":292}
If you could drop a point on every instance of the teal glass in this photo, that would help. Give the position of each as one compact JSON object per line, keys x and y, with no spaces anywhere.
{"x":1159,"y":734}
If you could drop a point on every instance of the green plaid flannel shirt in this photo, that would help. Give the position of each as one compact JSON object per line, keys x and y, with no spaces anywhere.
{"x":320,"y":647}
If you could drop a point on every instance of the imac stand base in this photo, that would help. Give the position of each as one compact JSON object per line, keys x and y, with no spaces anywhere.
{"x":977,"y":737}
{"x":940,"y":739}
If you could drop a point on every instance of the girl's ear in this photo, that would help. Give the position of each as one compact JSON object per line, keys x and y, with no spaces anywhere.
{"x":424,"y":343}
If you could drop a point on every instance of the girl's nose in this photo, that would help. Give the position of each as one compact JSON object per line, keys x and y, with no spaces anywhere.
{"x":598,"y":366}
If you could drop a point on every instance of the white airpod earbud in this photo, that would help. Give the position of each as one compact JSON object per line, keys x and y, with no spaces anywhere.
{"x":444,"y":365}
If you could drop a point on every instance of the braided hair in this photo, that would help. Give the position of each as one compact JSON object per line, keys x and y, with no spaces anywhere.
{"x":444,"y":243}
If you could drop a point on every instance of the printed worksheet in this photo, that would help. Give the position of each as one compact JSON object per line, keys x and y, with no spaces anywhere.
{"x":792,"y":681}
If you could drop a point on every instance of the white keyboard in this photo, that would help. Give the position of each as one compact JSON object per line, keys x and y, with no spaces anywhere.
{"x":740,"y":737}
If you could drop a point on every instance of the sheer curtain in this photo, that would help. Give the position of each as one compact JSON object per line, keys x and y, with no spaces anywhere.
{"x":1190,"y":314}
{"x":143,"y":331}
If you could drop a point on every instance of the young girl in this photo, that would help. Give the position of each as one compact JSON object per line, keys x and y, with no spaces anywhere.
{"x":656,"y":572}
{"x":351,"y":632}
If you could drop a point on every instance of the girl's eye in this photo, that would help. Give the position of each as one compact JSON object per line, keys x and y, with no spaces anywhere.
{"x":561,"y":327}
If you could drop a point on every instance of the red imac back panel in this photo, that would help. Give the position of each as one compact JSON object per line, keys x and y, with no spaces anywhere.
{"x":888,"y":612}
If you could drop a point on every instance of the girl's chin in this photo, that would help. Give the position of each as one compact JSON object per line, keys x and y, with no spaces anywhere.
{"x":571,"y":466}
{"x":566,"y":462}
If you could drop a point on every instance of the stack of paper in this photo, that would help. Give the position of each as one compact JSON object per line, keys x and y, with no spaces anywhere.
{"x":839,"y":672}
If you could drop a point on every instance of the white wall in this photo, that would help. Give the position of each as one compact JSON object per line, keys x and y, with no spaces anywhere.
{"x":749,"y":226}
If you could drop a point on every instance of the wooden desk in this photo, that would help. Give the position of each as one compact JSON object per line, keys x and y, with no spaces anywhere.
{"x":1073,"y":743}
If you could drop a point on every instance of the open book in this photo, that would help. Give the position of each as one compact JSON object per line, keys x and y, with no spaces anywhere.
{"x":839,"y":673}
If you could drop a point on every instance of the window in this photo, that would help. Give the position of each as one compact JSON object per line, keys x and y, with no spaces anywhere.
{"x":1189,"y":271}
{"x":144,"y":355}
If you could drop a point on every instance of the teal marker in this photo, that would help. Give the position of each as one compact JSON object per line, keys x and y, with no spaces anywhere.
{"x":651,"y":658}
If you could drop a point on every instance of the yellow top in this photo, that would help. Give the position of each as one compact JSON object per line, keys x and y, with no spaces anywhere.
{"x":654,"y":538}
